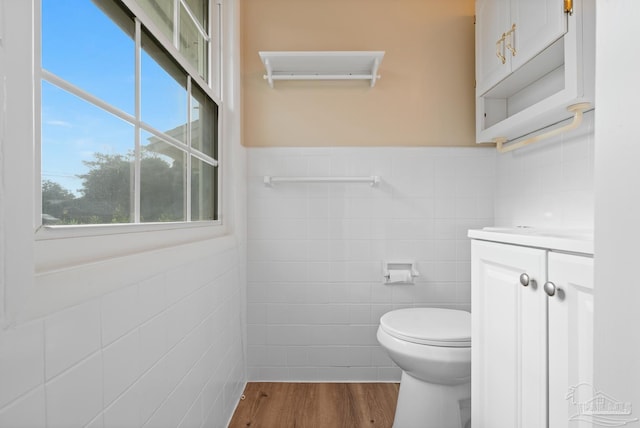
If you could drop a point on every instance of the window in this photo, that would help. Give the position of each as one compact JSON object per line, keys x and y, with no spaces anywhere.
{"x":129,"y":120}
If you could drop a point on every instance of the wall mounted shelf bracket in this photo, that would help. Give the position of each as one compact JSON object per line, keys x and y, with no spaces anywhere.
{"x":322,"y":65}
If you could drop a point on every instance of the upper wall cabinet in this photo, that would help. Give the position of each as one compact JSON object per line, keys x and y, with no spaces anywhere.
{"x":510,"y":33}
{"x":534,"y":59}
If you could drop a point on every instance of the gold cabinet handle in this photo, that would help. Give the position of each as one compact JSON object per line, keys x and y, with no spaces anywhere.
{"x":568,"y":7}
{"x":511,"y":44}
{"x":500,"y":48}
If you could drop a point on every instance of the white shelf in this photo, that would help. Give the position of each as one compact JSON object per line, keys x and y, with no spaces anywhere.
{"x":322,"y":65}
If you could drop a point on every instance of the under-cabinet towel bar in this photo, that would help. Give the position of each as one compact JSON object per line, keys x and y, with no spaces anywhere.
{"x":372,"y":180}
{"x":578,"y":111}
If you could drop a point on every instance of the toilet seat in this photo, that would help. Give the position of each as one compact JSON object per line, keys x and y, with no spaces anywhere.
{"x":429,"y":326}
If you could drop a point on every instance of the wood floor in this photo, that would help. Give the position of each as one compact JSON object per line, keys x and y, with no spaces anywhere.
{"x":316,"y":405}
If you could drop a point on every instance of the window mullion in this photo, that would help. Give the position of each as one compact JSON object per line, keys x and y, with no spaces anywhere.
{"x":219,"y":47}
{"x":37,"y":114}
{"x":207,"y":159}
{"x":86,"y":96}
{"x":188,"y":166}
{"x":210,"y":50}
{"x":203,"y":32}
{"x":138,"y":152}
{"x":176,"y":24}
{"x":163,"y":136}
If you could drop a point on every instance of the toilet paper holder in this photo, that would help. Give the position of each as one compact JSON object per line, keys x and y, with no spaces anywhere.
{"x":399,"y":272}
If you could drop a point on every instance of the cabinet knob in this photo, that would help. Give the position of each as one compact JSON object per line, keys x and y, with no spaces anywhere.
{"x":550,"y":288}
{"x":524,"y":279}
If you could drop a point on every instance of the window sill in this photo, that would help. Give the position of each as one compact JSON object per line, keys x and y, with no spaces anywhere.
{"x":82,"y":278}
{"x":66,"y":247}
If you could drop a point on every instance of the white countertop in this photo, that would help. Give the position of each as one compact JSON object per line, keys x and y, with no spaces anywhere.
{"x":573,"y":241}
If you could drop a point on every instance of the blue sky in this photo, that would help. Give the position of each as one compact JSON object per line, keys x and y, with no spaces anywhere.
{"x":84,"y":47}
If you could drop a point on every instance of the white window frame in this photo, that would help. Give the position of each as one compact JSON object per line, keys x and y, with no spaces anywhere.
{"x":39,"y":276}
{"x":63,"y":247}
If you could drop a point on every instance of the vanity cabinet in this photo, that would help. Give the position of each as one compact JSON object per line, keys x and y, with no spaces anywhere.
{"x":508,"y":336}
{"x":570,"y":336}
{"x":532,"y":330}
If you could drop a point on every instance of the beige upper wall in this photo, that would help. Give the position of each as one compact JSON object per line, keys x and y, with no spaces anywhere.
{"x":424,"y":98}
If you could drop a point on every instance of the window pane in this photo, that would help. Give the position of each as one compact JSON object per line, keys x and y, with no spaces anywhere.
{"x":204,"y":179}
{"x":163,"y":102}
{"x":204,"y":123}
{"x":85,"y":47}
{"x":87,"y":162}
{"x":200,"y":10}
{"x":88,"y":154}
{"x":162,"y":181}
{"x":193,"y":45}
{"x":161,"y":12}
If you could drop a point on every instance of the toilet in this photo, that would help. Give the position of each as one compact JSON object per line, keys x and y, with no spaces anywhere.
{"x":432,"y":346}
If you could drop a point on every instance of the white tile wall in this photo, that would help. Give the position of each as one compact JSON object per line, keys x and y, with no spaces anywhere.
{"x":163,"y":352}
{"x":70,"y":336}
{"x":120,"y":313}
{"x":549,"y":183}
{"x":26,"y":412}
{"x":75,"y":397}
{"x":21,"y":360}
{"x":315,"y":292}
{"x":121,"y":365}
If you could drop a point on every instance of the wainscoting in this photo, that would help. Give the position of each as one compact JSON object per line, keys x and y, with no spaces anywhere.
{"x":315,"y":291}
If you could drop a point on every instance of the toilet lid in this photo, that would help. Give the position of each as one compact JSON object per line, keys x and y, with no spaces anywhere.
{"x":429,"y":326}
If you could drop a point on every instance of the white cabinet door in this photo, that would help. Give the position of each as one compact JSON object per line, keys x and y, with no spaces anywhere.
{"x":509,"y":336}
{"x":570,"y":337}
{"x":492,"y":20}
{"x":538,"y":24}
{"x":529,"y":27}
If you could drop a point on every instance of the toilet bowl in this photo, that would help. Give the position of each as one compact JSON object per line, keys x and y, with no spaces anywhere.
{"x":433,"y":348}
